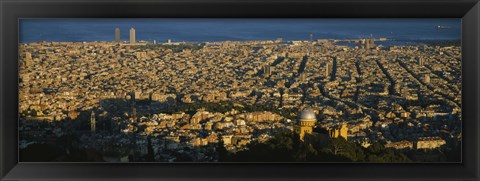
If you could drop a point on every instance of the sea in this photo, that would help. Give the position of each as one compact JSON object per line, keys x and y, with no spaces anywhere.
{"x":398,"y":31}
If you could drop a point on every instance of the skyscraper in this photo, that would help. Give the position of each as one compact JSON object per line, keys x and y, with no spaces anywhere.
{"x":327,"y":70}
{"x":132,"y":36}
{"x":117,"y":34}
{"x":266,"y":70}
{"x":302,"y":77}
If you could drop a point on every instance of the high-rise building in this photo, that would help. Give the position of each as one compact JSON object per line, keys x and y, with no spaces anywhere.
{"x":117,"y":34}
{"x":302,"y":77}
{"x":327,"y":70}
{"x":28,"y":59}
{"x":267,"y":70}
{"x":306,"y":122}
{"x":311,"y":37}
{"x":92,"y":122}
{"x":132,"y":36}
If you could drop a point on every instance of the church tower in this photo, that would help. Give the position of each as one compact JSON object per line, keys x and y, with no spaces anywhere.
{"x":92,"y":122}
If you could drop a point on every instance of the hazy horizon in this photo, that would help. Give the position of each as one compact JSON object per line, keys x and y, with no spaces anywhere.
{"x":209,"y":30}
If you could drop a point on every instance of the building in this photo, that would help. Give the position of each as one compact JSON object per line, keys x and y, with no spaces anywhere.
{"x":28,"y":59}
{"x":303,"y":77}
{"x":339,"y":131}
{"x":267,"y":70}
{"x":426,"y":78}
{"x":227,"y":139}
{"x":132,"y":36}
{"x":279,"y":40}
{"x":134,"y":114}
{"x":430,"y":142}
{"x":141,"y":55}
{"x":28,"y":56}
{"x":327,"y":70}
{"x":420,"y":61}
{"x":117,"y":35}
{"x":306,"y":122}
{"x":370,"y":42}
{"x":92,"y":122}
{"x":400,"y":145}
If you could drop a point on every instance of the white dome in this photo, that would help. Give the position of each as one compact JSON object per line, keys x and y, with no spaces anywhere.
{"x":307,"y":115}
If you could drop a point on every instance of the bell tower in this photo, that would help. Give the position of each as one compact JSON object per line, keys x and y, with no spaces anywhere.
{"x":92,"y":122}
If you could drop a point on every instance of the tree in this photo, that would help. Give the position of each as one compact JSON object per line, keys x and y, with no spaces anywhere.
{"x":222,"y":151}
{"x":39,"y":153}
{"x":150,"y":152}
{"x":376,"y":152}
{"x":350,"y":150}
{"x":287,"y":147}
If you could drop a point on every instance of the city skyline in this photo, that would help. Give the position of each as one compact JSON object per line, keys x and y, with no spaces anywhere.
{"x":203,"y":30}
{"x":354,"y":99}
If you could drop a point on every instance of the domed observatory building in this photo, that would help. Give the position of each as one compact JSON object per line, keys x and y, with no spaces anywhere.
{"x":306,"y":122}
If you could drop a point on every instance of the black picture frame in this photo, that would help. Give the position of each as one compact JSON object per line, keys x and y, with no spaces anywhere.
{"x":12,"y":10}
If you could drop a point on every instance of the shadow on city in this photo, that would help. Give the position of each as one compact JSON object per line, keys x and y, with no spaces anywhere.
{"x":120,"y":130}
{"x":127,"y":131}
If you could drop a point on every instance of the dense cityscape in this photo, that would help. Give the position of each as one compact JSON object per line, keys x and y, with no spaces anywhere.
{"x":142,"y":101}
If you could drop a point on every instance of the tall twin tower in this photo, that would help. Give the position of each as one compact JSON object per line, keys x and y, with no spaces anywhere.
{"x":132,"y":35}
